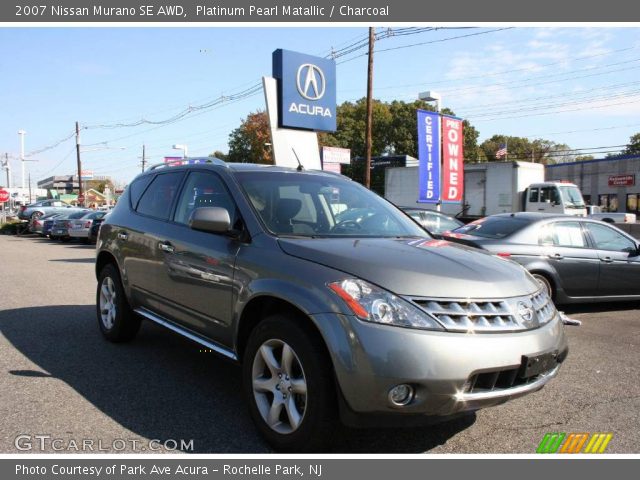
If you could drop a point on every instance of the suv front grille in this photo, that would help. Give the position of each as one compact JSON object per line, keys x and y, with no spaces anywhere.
{"x":493,"y":315}
{"x":467,"y":316}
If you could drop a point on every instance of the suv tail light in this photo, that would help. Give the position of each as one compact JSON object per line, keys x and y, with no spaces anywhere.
{"x":87,"y":224}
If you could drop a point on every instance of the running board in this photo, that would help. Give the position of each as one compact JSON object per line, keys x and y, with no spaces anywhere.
{"x":186,"y":333}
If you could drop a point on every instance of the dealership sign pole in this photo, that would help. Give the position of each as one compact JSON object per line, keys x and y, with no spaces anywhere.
{"x":428,"y":157}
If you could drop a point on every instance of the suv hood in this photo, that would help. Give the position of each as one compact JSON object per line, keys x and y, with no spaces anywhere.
{"x":417,"y":267}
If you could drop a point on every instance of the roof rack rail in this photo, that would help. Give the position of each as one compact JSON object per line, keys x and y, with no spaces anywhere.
{"x":190,"y":161}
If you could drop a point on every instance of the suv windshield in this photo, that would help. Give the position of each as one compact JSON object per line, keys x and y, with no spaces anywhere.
{"x":304,"y":204}
{"x":572,"y":196}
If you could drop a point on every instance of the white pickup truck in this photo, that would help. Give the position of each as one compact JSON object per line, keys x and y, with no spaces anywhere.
{"x":614,"y":217}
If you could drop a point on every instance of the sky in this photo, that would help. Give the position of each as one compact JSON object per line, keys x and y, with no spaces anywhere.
{"x":578,"y":86}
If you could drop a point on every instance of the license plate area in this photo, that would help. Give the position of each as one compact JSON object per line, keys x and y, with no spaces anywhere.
{"x":533,"y":365}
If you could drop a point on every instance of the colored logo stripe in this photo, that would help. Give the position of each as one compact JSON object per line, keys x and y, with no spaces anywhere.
{"x":598,"y":443}
{"x":550,"y":443}
{"x":573,"y":443}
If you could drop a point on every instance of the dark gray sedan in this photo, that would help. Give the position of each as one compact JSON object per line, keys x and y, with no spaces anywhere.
{"x":576,"y":259}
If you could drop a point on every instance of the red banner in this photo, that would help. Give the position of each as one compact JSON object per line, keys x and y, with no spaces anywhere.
{"x":452,"y":160}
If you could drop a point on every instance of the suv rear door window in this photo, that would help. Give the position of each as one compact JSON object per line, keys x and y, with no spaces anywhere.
{"x":136,"y":189}
{"x":158,"y":197}
{"x":203,"y":189}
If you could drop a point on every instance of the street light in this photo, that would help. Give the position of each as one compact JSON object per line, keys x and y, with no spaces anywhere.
{"x":22,"y":133}
{"x":431,"y":96}
{"x":183,"y":148}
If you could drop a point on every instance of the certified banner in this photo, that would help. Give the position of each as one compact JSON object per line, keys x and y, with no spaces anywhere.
{"x":452,"y":160}
{"x":428,"y":157}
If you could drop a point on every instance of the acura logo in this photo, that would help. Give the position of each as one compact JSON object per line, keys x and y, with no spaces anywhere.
{"x":525,"y":312}
{"x":310,"y":81}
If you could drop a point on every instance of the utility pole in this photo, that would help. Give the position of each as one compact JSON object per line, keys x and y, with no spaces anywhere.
{"x":22,"y":133}
{"x":30,"y":200}
{"x":144,"y":158}
{"x":79,"y":162}
{"x":369,"y":121}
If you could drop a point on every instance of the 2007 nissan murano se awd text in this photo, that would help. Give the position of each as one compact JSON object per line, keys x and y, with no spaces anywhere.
{"x":337,"y":304}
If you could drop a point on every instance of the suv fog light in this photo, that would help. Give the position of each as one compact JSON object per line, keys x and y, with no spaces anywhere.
{"x":401,"y":395}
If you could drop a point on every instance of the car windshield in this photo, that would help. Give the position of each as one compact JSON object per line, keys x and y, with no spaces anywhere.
{"x":493,"y":227}
{"x":572,"y":196}
{"x":311,"y":205}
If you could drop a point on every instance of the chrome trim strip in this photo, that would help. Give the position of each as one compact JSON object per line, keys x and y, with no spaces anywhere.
{"x":509,"y":392}
{"x":186,"y":333}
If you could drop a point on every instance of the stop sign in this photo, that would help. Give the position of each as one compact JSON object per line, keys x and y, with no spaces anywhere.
{"x":4,"y":196}
{"x":80,"y":198}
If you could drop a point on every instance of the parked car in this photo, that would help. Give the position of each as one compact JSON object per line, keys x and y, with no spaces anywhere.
{"x":37,"y":224}
{"x":576,"y":259}
{"x":80,"y":227}
{"x":95,"y":228}
{"x":373,"y":321}
{"x":435,"y":223}
{"x":40,"y":208}
{"x":47,"y":223}
{"x":62,"y":224}
{"x":614,"y":217}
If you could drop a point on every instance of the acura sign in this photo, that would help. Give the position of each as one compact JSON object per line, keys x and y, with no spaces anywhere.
{"x":306,"y":91}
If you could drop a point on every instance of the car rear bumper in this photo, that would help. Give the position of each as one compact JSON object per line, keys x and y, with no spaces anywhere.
{"x":449,"y":372}
{"x":79,"y":233}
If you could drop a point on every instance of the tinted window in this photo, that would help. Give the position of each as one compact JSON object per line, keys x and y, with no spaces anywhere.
{"x":136,"y":189}
{"x":564,"y":234}
{"x":607,"y":238}
{"x":203,"y":190}
{"x":158,"y":197}
{"x":533,"y":194}
{"x":493,"y":227}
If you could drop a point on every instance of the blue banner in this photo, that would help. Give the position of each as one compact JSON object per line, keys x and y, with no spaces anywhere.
{"x":428,"y":156}
{"x":306,"y":91}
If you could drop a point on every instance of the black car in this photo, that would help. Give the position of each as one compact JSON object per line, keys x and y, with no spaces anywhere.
{"x":95,"y":229}
{"x":576,"y":259}
{"x":435,"y":223}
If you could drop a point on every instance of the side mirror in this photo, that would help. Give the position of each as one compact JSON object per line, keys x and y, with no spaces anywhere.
{"x":210,"y":219}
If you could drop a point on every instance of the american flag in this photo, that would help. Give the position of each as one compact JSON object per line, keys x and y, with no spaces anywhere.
{"x":502,"y":151}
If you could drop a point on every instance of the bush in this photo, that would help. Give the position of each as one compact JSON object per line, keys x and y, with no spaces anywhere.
{"x":10,"y":228}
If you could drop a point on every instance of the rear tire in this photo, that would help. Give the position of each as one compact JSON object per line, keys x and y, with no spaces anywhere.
{"x":289,"y":385}
{"x":117,"y":321}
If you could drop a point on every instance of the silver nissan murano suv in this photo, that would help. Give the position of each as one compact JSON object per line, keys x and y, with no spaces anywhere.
{"x":337,"y":305}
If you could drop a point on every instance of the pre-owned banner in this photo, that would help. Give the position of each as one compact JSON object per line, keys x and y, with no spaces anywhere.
{"x":428,"y":156}
{"x":452,"y":160}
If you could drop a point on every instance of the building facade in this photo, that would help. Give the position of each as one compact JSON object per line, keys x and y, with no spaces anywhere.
{"x":611,"y":183}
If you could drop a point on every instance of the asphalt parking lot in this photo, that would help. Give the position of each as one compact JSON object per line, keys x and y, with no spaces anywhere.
{"x":60,"y":379}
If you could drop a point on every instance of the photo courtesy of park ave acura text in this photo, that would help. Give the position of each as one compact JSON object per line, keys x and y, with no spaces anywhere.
{"x":392,"y":237}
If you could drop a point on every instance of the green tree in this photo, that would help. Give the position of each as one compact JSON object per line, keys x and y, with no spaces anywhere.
{"x":251,"y":141}
{"x":633,"y":147}
{"x":582,"y":158}
{"x":219,"y":154}
{"x":523,"y":149}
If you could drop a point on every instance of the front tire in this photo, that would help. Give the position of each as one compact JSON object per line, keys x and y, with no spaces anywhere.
{"x":289,"y":385}
{"x":546,"y":283}
{"x":117,"y":321}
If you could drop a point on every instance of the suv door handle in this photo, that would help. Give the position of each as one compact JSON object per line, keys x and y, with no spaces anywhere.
{"x":556,"y":256}
{"x":607,"y":260}
{"x":123,"y":236}
{"x":166,"y":247}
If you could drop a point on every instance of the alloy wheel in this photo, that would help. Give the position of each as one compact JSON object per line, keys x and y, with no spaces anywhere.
{"x":108,"y":308}
{"x":279,"y":386}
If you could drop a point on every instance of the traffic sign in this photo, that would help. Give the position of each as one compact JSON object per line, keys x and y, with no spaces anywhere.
{"x":4,"y":196}
{"x":80,"y":198}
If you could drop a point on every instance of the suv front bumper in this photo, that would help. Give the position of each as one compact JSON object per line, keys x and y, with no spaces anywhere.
{"x":443,"y":368}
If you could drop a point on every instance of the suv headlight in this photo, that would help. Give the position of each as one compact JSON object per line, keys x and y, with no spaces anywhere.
{"x":373,"y":304}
